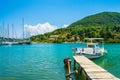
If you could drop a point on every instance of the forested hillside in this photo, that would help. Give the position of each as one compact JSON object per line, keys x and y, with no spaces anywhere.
{"x":105,"y":25}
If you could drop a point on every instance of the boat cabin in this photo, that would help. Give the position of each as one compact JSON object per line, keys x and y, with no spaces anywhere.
{"x":92,"y":45}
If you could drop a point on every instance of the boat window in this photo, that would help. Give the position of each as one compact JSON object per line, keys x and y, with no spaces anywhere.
{"x":89,"y":45}
{"x":96,"y":45}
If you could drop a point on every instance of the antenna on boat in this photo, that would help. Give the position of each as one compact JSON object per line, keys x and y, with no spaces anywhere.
{"x":103,"y":44}
{"x":91,"y":41}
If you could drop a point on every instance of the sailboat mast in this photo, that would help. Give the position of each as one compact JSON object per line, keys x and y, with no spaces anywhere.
{"x":12,"y":32}
{"x":23,"y":27}
{"x":8,"y":32}
{"x":3,"y":35}
{"x":0,"y":35}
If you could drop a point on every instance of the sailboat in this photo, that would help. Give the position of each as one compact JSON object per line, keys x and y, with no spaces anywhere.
{"x":24,"y":41}
{"x":92,"y":49}
{"x":6,"y":41}
{"x":5,"y":36}
{"x":14,"y":41}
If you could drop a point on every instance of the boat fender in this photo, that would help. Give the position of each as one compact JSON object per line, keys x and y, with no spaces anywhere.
{"x":76,"y":49}
{"x":82,"y":49}
{"x":73,"y":49}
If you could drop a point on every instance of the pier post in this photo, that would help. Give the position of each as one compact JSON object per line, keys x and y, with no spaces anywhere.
{"x":74,"y":65}
{"x":67,"y":64}
{"x":69,"y":69}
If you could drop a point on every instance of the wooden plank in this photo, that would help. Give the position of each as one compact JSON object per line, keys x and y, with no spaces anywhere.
{"x":100,"y":75}
{"x":92,"y":70}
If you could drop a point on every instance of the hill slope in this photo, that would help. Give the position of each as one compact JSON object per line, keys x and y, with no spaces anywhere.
{"x":105,"y":25}
{"x":100,"y":19}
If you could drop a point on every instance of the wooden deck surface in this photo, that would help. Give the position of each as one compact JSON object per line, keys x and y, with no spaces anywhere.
{"x":93,"y":71}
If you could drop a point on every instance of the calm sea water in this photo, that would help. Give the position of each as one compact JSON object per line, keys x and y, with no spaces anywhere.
{"x":45,"y":61}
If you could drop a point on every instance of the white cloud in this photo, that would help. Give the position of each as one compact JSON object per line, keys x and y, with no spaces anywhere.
{"x":65,"y":25}
{"x":39,"y":28}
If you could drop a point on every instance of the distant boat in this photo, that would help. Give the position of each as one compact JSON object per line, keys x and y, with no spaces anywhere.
{"x":6,"y":43}
{"x":28,"y":40}
{"x":92,"y":51}
{"x":24,"y":42}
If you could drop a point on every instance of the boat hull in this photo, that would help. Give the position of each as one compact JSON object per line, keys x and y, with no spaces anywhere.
{"x":25,"y":42}
{"x":90,"y":56}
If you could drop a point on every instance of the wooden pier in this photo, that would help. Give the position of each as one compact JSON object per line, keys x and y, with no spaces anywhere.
{"x":91,"y":70}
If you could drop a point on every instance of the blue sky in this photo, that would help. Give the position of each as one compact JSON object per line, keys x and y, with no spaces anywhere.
{"x":55,"y":12}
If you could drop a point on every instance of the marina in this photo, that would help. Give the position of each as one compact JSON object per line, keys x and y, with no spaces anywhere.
{"x":8,"y":36}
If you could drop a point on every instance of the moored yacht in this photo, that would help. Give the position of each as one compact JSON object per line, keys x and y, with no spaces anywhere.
{"x":92,"y":51}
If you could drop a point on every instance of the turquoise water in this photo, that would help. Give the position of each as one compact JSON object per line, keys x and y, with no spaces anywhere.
{"x":45,"y":61}
{"x":111,"y":62}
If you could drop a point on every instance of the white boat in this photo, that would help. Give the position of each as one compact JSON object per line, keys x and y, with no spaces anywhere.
{"x":9,"y":43}
{"x":92,"y":51}
{"x":6,"y":43}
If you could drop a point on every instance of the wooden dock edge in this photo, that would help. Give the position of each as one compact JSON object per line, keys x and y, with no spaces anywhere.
{"x":93,"y":71}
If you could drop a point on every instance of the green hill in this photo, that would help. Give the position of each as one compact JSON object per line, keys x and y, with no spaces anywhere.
{"x":100,"y":19}
{"x":105,"y":25}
